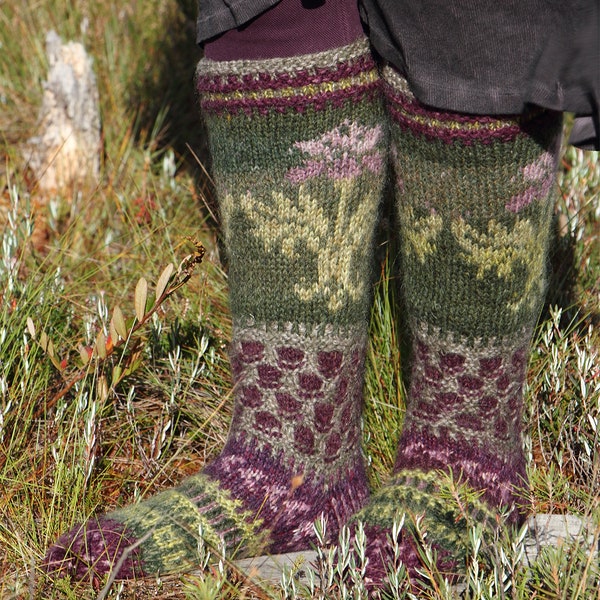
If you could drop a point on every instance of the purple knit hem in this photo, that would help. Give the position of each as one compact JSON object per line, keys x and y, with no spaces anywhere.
{"x":289,"y":28}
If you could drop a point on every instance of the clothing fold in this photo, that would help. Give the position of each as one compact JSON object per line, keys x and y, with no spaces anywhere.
{"x":472,"y":56}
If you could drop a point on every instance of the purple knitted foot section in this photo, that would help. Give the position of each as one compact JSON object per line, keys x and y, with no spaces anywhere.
{"x":383,"y":560}
{"x":418,"y":508}
{"x":466,"y":414}
{"x":286,"y":500}
{"x":296,"y":420}
{"x":92,"y":549}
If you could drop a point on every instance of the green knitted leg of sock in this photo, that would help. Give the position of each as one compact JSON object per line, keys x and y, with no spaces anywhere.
{"x":475,"y":199}
{"x":299,"y":203}
{"x":298,"y":162}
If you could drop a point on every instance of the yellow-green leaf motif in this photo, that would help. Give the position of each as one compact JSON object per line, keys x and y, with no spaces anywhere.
{"x":502,"y":249}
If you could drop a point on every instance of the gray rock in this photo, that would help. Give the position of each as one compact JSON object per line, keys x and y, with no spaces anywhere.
{"x":543,"y":530}
{"x":270,"y":568}
{"x":554,"y":530}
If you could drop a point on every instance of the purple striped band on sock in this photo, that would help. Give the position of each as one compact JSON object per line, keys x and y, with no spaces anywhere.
{"x":281,"y":86}
{"x":449,"y":127}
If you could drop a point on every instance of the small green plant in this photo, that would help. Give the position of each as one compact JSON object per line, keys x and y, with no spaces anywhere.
{"x":116,"y":352}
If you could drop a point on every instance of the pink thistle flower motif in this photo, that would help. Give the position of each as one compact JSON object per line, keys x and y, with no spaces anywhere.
{"x":540,"y":174}
{"x":342,"y":153}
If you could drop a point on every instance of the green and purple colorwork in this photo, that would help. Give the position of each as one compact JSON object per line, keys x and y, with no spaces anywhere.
{"x":299,"y":149}
{"x":474,"y":197}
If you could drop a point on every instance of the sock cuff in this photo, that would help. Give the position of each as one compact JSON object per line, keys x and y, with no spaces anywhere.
{"x":308,"y":63}
{"x":452,"y":127}
{"x":296,"y":83}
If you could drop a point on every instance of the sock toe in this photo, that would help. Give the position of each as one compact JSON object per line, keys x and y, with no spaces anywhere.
{"x":92,"y":549}
{"x":444,"y":521}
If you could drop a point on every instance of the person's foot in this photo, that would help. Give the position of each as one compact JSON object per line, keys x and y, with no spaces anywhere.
{"x":293,"y":454}
{"x":464,"y":419}
{"x":431,"y":516}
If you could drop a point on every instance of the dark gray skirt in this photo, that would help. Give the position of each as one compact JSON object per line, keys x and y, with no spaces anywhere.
{"x":474,"y":56}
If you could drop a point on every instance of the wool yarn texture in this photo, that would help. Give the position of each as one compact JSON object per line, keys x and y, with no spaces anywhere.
{"x":474,"y":197}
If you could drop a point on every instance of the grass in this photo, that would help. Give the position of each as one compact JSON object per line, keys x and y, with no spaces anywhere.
{"x":79,"y":435}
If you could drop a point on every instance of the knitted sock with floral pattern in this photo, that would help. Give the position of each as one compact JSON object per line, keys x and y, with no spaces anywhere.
{"x":298,"y":161}
{"x":474,"y":200}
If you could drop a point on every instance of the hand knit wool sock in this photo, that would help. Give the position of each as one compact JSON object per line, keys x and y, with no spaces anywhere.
{"x":474,"y":200}
{"x":298,"y":163}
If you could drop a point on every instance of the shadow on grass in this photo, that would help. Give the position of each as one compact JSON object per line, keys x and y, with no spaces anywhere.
{"x":564,"y":283}
{"x":168,"y":89}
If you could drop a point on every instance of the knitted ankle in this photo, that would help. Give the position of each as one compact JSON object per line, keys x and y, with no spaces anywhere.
{"x":474,"y":197}
{"x":298,"y":163}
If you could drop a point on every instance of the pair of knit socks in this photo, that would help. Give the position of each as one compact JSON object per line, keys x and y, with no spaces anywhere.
{"x":300,"y":150}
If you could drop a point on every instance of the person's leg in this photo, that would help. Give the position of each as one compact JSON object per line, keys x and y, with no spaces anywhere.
{"x":298,"y":147}
{"x":474,"y":199}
